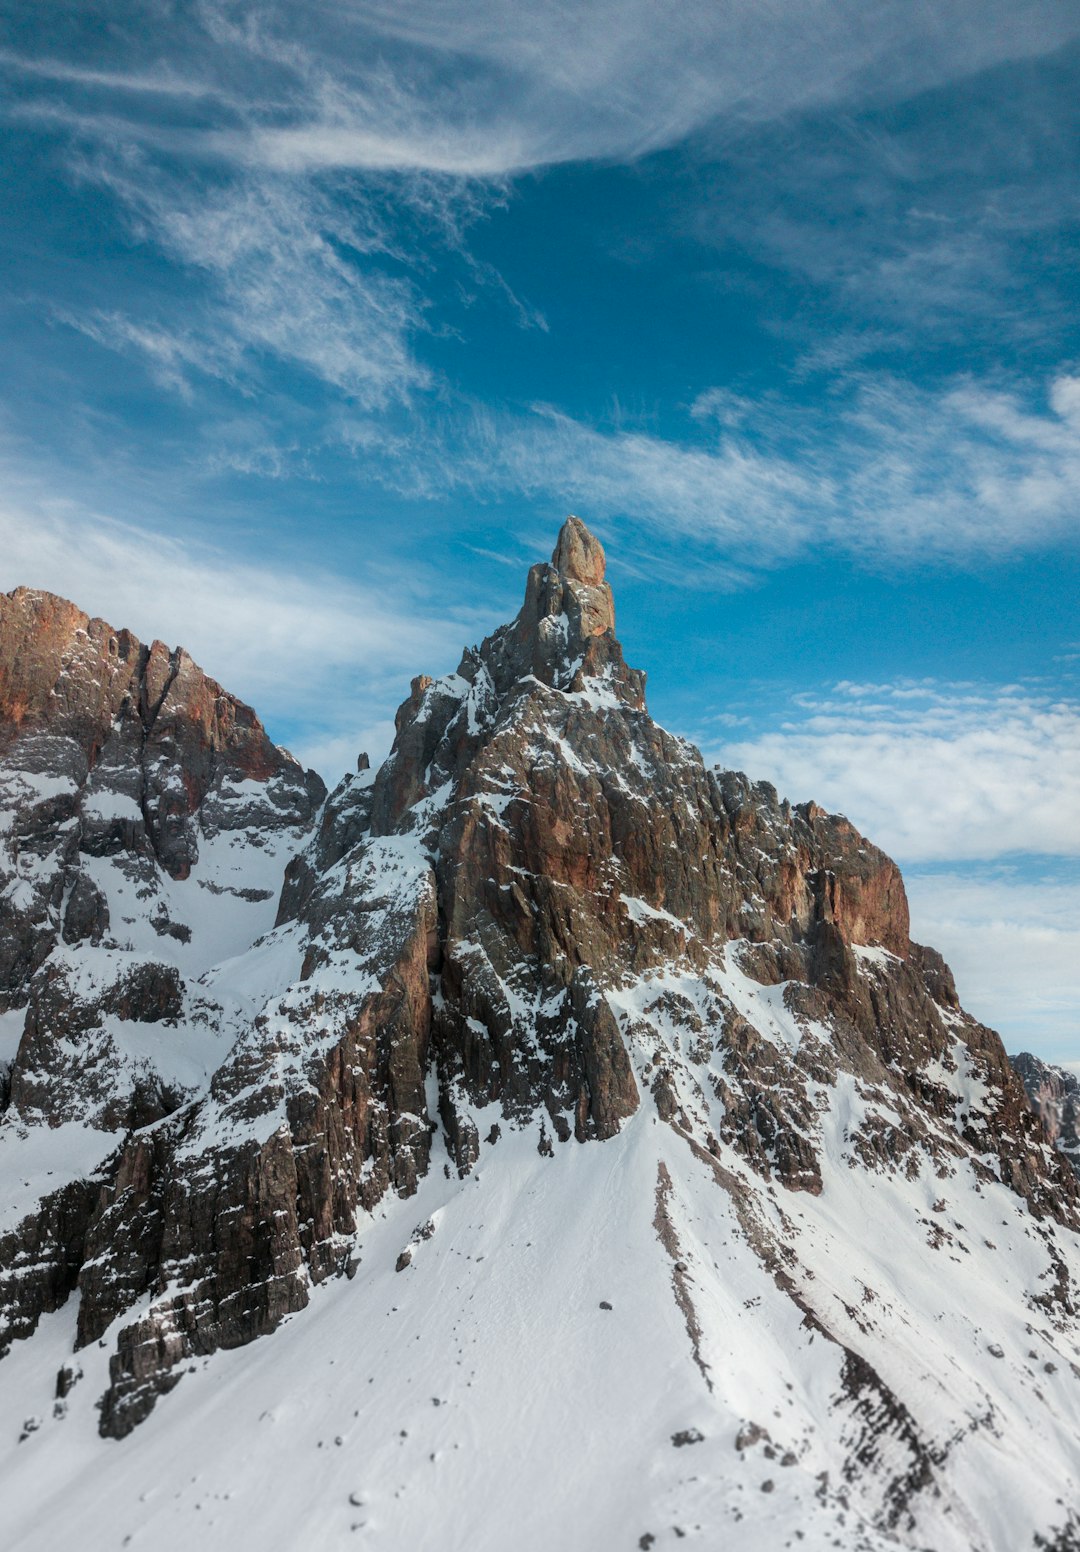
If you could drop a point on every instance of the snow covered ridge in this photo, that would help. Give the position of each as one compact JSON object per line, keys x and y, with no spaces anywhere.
{"x":611,"y":1167}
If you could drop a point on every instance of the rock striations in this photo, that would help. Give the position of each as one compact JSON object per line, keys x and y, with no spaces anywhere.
{"x":542,"y":964}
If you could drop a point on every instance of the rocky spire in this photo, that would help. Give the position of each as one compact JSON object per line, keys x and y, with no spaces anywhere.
{"x":579,"y":555}
{"x":563,"y":638}
{"x":566,"y":629}
{"x":579,"y":560}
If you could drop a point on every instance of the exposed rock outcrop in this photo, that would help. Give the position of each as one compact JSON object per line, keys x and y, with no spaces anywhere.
{"x":143,"y":806}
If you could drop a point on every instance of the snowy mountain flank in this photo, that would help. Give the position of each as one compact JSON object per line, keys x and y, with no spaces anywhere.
{"x":610,"y":1167}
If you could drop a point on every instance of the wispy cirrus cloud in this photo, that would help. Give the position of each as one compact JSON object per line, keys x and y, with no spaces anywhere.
{"x":290,"y":282}
{"x":163,"y":82}
{"x":886,"y":470}
{"x":945,"y":216}
{"x":477,"y":91}
{"x":309,"y":145}
{"x":175,"y":358}
{"x":730,"y":494}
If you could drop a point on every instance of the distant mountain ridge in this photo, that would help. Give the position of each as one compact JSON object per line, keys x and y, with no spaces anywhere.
{"x":588,"y":1112}
{"x":1054,"y":1093}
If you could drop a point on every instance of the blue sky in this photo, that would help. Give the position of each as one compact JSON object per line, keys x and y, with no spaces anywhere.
{"x":318,"y":319}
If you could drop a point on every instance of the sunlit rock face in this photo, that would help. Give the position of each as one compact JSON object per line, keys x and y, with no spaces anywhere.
{"x":541,"y":1021}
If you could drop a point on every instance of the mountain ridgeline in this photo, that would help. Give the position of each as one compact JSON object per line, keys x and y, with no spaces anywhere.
{"x":541,"y":1046}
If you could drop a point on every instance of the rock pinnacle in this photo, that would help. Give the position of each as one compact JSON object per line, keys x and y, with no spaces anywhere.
{"x":579,"y":555}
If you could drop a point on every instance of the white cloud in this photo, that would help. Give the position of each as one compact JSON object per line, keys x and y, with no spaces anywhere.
{"x":483,"y":90}
{"x":1013,"y":943}
{"x":932,"y":772}
{"x":970,"y":470}
{"x":292,"y":276}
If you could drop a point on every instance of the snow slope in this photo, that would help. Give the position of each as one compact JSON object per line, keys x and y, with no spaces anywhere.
{"x":483,"y":1397}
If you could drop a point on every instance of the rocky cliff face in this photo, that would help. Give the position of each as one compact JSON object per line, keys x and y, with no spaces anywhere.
{"x":542,"y":944}
{"x":1055,"y":1098}
{"x":146,"y":818}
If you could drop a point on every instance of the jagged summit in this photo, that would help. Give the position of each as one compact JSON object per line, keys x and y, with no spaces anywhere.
{"x":565,"y":632}
{"x":1054,"y":1093}
{"x":563,"y":639}
{"x":119,"y":756}
{"x":579,"y":559}
{"x":579,"y":555}
{"x":598,"y":1097}
{"x":121,"y":718}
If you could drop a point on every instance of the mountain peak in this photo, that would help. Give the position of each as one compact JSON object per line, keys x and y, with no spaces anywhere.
{"x":571,"y":588}
{"x":137,"y":733}
{"x":562,"y":638}
{"x":579,"y":555}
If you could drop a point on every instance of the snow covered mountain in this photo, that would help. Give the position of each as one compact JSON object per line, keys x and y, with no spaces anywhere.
{"x":609,"y":1166}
